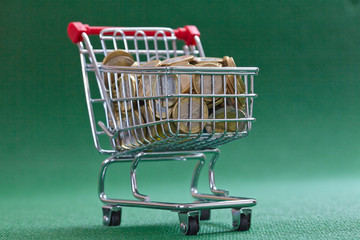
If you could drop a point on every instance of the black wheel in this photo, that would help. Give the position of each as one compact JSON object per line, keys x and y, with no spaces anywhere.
{"x":245,"y":222}
{"x":193,"y":227}
{"x":205,"y":214}
{"x":115,"y":218}
{"x":111,"y":217}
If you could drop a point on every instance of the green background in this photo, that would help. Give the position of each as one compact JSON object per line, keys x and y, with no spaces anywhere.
{"x":301,"y":161}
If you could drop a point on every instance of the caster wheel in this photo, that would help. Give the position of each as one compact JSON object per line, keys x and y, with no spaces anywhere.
{"x":189,"y":222}
{"x":241,"y":219}
{"x":245,"y":222}
{"x":205,"y":214}
{"x":115,"y":219}
{"x":111,"y":217}
{"x":193,"y":227}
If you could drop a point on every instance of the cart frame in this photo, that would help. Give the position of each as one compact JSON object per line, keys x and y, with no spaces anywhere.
{"x":189,"y":214}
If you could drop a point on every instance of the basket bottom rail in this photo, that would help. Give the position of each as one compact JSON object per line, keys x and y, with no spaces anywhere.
{"x":231,"y":202}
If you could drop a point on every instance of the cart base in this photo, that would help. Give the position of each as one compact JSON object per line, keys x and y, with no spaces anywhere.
{"x":189,"y":219}
{"x":189,"y":214}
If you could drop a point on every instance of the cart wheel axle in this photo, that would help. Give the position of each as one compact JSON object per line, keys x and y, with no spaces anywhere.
{"x":111,"y":215}
{"x":189,"y":222}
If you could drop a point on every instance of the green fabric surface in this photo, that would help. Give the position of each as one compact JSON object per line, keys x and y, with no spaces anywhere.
{"x":301,"y":160}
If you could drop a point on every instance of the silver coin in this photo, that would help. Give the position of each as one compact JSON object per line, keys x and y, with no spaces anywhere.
{"x":166,"y":85}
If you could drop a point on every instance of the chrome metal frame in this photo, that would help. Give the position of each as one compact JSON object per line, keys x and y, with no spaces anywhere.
{"x":209,"y":201}
{"x":167,"y":146}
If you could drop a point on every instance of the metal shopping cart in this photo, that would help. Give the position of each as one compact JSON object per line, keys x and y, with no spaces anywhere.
{"x":139,"y":113}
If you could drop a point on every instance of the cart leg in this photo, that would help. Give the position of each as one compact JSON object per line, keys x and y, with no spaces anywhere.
{"x":241,"y":219}
{"x":212,"y":185}
{"x":189,"y":222}
{"x":111,"y":215}
{"x":176,"y":156}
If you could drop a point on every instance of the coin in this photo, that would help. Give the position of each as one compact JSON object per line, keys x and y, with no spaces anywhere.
{"x":124,"y":87}
{"x":185,"y":110}
{"x":207,"y":60}
{"x":240,"y":89}
{"x":129,"y":139}
{"x":145,"y":84}
{"x":160,"y":111}
{"x":228,"y":61}
{"x":116,"y":58}
{"x":182,"y":63}
{"x":163,"y":129}
{"x":173,"y":60}
{"x":120,"y":61}
{"x":208,"y":86}
{"x":230,"y":84}
{"x":148,"y":115}
{"x":231,"y":126}
{"x":217,"y":102}
{"x":135,"y":64}
{"x":166,"y":85}
{"x":184,"y":78}
{"x":153,"y":63}
{"x":116,"y":54}
{"x":206,"y":64}
{"x":146,"y":80}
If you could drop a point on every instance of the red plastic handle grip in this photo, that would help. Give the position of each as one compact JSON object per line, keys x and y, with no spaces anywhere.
{"x":75,"y":29}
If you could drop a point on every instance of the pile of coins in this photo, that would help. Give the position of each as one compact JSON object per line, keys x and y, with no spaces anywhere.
{"x":156,"y":102}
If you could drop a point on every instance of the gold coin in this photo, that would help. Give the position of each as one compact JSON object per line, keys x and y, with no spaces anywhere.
{"x":184,"y":78}
{"x":230,"y":84}
{"x":231,"y":126}
{"x":120,"y":61}
{"x":153,"y":63}
{"x":207,"y":60}
{"x":206,"y":64}
{"x":185,"y":110}
{"x":240,"y":89}
{"x":173,"y":60}
{"x":240,"y":86}
{"x":162,"y":113}
{"x":116,"y":54}
{"x":217,"y":102}
{"x":208,"y":86}
{"x":123,"y":88}
{"x":146,"y":80}
{"x":145,"y":84}
{"x":166,"y":85}
{"x":158,"y":131}
{"x":182,"y":63}
{"x":130,"y":139}
{"x":135,"y":64}
{"x":116,"y":58}
{"x":148,"y":115}
{"x":163,"y":129}
{"x":228,"y":61}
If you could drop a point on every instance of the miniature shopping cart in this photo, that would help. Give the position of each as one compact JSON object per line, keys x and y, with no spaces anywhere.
{"x":134,"y":122}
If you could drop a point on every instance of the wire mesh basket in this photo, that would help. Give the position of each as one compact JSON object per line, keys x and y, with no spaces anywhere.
{"x":146,"y":102}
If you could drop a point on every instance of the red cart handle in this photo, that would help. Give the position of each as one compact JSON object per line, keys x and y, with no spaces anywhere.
{"x":75,"y":29}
